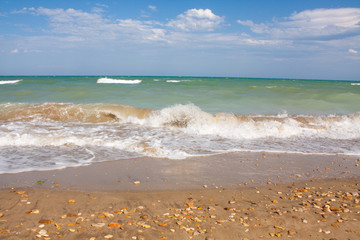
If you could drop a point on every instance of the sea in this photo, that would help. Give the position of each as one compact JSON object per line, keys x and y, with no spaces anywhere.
{"x":54,"y":122}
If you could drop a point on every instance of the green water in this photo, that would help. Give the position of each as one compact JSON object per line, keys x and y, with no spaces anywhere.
{"x":236,"y":95}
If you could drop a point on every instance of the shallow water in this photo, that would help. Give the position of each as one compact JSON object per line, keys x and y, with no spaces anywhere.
{"x":57,"y":122}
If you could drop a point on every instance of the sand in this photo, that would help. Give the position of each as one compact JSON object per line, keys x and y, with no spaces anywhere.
{"x":236,"y":196}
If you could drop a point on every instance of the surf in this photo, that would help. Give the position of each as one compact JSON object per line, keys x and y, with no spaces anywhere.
{"x":10,"y":81}
{"x":68,"y":112}
{"x":190,"y":119}
{"x":54,"y":135}
{"x":118,"y":81}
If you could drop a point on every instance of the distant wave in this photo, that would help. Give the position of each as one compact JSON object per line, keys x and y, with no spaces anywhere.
{"x":10,"y":81}
{"x":119,"y":81}
{"x":176,"y":81}
{"x":355,"y":84}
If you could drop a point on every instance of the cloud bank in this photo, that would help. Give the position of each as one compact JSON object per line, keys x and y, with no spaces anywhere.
{"x":191,"y":38}
{"x":198,"y":25}
{"x":321,"y":24}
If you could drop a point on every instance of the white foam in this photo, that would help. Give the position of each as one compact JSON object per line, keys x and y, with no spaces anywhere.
{"x":176,"y":132}
{"x":118,"y":81}
{"x":355,"y":84}
{"x":177,"y":81}
{"x":192,"y":120}
{"x":45,"y":135}
{"x":10,"y":81}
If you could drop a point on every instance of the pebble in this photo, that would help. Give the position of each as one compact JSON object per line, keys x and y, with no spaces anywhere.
{"x":99,"y":225}
{"x":34,"y":211}
{"x":108,"y":236}
{"x":114,"y":224}
{"x":42,"y":233}
{"x":108,"y":215}
{"x":45,"y":221}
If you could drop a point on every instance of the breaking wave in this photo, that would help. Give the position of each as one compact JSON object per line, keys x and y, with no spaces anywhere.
{"x":66,"y":112}
{"x":176,"y":81}
{"x":57,"y":135}
{"x":10,"y":81}
{"x":191,"y":119}
{"x":118,"y":81}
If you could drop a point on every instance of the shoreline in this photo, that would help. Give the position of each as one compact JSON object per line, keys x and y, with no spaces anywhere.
{"x":229,"y":170}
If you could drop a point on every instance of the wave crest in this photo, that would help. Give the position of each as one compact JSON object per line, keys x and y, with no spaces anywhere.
{"x":10,"y":81}
{"x":191,"y":119}
{"x":118,"y":81}
{"x":67,"y":112}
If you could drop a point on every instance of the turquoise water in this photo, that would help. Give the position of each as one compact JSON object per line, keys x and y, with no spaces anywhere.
{"x":235,"y":95}
{"x":57,"y":122}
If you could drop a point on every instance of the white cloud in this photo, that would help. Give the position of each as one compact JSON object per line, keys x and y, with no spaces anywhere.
{"x":77,"y":19}
{"x":321,"y":24}
{"x":32,"y":51}
{"x":153,"y":8}
{"x":97,"y":10}
{"x":23,"y":10}
{"x":102,"y":5}
{"x":71,"y":28}
{"x":15,"y":51}
{"x":352,"y":51}
{"x":196,"y":20}
{"x":80,"y":26}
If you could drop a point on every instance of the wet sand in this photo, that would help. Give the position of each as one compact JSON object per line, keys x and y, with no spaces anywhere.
{"x":232,"y":196}
{"x":224,"y":170}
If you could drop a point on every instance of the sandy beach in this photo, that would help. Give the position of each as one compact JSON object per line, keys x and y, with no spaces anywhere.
{"x":179,"y":120}
{"x":233,"y":196}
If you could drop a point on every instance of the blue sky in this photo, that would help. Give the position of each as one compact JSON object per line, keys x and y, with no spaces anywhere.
{"x":317,"y":39}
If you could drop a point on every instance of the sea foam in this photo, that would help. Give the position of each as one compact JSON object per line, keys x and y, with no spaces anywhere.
{"x":10,"y":81}
{"x":190,"y":119}
{"x":118,"y":81}
{"x":50,"y":134}
{"x":177,"y":81}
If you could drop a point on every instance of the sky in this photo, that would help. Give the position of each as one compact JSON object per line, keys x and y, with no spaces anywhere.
{"x":308,"y":39}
